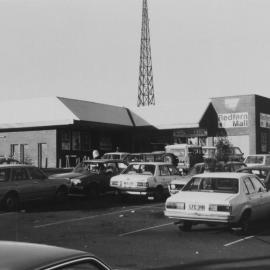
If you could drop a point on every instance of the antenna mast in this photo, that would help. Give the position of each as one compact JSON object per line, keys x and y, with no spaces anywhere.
{"x":146,"y":87}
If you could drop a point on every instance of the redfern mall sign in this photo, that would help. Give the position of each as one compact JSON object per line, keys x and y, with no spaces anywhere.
{"x":233,"y":120}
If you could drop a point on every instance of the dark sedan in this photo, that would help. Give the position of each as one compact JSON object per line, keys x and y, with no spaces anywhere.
{"x":92,"y":177}
{"x":20,"y":183}
{"x":28,"y":256}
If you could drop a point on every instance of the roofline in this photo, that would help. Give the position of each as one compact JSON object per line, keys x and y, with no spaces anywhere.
{"x":235,"y":96}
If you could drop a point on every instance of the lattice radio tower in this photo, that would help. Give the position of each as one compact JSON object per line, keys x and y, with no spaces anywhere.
{"x":146,"y":95}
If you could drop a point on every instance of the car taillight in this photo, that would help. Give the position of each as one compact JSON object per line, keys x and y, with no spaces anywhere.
{"x":175,"y":205}
{"x":220,"y":208}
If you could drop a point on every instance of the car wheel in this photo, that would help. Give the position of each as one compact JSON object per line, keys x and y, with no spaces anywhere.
{"x":245,"y":223}
{"x":159,"y":194}
{"x":61,"y":194}
{"x":170,"y":158}
{"x":11,"y":202}
{"x":186,"y":226}
{"x":93,"y":192}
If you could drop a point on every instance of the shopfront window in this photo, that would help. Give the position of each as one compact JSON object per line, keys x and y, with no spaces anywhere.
{"x":263,"y":142}
{"x":76,"y":140}
{"x":86,"y":141}
{"x":65,"y":140}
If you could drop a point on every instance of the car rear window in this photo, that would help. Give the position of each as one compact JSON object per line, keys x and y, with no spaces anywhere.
{"x":255,"y":159}
{"x":212,"y":184}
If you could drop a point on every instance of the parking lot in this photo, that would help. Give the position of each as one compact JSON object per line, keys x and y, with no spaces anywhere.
{"x":136,"y":235}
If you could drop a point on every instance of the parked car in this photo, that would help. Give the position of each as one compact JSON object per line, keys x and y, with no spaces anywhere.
{"x":92,"y":177}
{"x":178,"y":184}
{"x":20,"y":183}
{"x":263,"y":172}
{"x":150,"y":179}
{"x":29,"y":256}
{"x":230,"y":198}
{"x":115,"y":155}
{"x":184,"y":155}
{"x":257,"y":160}
{"x":4,"y":160}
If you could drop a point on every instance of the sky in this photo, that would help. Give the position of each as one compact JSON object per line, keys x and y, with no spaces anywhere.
{"x":89,"y":49}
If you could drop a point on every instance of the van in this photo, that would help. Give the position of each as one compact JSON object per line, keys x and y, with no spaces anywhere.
{"x":187,"y":154}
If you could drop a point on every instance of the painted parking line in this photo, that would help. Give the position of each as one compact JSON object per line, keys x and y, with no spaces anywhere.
{"x":239,"y":240}
{"x":92,"y":217}
{"x":7,"y":213}
{"x":146,"y":229}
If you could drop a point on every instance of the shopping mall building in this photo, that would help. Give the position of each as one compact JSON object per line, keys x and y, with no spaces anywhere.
{"x":56,"y":132}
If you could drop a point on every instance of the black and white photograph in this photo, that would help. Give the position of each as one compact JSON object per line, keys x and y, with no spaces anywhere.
{"x":134,"y":134}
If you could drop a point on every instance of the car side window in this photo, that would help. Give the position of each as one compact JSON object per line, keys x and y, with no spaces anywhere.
{"x":173,"y":170}
{"x":267,"y":161}
{"x":257,"y":184}
{"x":91,"y":265}
{"x":19,"y":174}
{"x":164,"y":171}
{"x":249,"y":185}
{"x":36,"y":173}
{"x":4,"y":175}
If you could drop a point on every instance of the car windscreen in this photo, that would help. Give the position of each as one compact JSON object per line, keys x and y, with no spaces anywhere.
{"x":148,"y":169}
{"x":213,"y":184}
{"x":177,"y":152}
{"x":86,"y":167}
{"x":254,"y":159}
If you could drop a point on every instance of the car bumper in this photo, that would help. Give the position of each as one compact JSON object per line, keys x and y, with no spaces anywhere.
{"x":136,"y":191}
{"x":201,"y":217}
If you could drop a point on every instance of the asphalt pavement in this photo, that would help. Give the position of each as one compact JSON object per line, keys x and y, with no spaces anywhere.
{"x":136,"y":235}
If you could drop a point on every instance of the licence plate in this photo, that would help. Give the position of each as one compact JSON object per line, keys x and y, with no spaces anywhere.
{"x":129,"y":184}
{"x":196,"y":207}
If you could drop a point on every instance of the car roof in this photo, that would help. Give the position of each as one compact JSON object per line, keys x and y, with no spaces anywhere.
{"x":114,"y":153}
{"x":24,"y":256}
{"x":222,"y":174}
{"x":256,"y":167}
{"x":150,"y":163}
{"x":14,"y":165}
{"x":103,"y":160}
{"x":181,"y":146}
{"x":258,"y":155}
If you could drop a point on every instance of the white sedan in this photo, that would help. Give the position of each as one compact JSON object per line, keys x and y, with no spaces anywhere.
{"x":150,"y":179}
{"x":230,"y":198}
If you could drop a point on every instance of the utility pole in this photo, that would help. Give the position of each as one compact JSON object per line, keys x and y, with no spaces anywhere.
{"x":146,"y":95}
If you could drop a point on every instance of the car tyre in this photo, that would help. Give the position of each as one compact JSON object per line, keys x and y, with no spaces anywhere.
{"x":170,"y":158}
{"x":159,"y":194}
{"x":61,"y":194}
{"x":93,"y":192}
{"x":11,"y":202}
{"x":186,"y":226}
{"x":245,"y":223}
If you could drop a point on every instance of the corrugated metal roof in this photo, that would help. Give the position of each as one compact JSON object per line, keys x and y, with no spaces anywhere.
{"x":185,"y":114}
{"x":50,"y":111}
{"x":97,"y":112}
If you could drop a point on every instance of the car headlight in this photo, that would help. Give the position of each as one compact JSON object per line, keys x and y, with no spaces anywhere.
{"x":220,"y":208}
{"x":75,"y":181}
{"x":114,"y":183}
{"x":175,"y":205}
{"x":172,"y":186}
